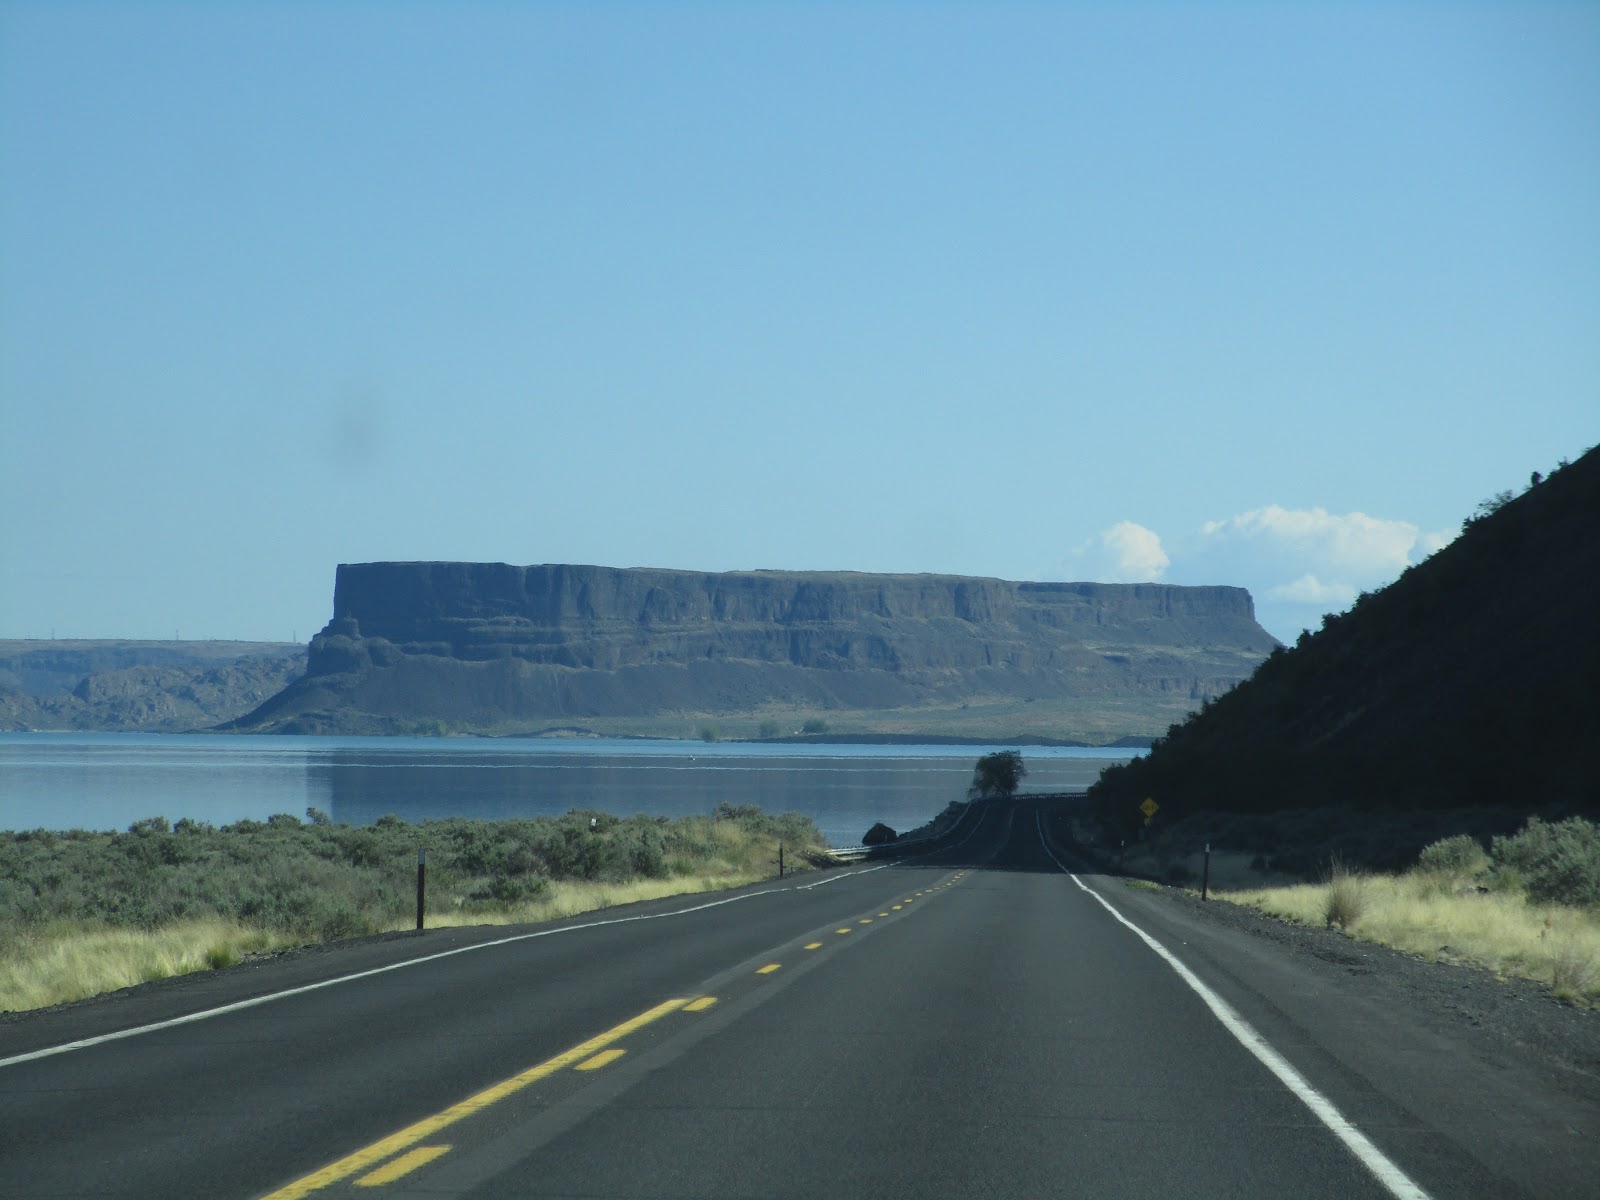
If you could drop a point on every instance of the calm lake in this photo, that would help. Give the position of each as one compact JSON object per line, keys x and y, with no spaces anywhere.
{"x":108,"y":781}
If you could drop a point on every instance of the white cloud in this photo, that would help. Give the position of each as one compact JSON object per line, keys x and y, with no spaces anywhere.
{"x":1308,"y":589}
{"x":1302,"y":562}
{"x":1353,"y":543}
{"x":1298,"y":563}
{"x":1125,"y":553}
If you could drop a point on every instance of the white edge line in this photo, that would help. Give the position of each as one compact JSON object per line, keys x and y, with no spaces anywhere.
{"x":806,"y":887}
{"x":254,"y":1001}
{"x":1399,"y":1184}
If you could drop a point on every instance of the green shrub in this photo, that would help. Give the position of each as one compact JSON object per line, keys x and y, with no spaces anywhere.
{"x":879,"y":835}
{"x":1460,"y":855}
{"x":508,"y":893}
{"x":1558,"y":863}
{"x":320,"y":880}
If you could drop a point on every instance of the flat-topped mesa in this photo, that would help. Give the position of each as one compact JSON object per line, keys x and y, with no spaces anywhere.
{"x":488,"y":646}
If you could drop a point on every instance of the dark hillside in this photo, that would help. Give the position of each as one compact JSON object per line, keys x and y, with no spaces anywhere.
{"x":1473,"y":679}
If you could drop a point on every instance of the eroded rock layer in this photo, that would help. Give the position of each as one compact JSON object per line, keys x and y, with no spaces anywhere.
{"x":489,"y":647}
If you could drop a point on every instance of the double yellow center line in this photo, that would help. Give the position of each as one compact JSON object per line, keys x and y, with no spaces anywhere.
{"x":390,"y":1158}
{"x":371,"y":1156}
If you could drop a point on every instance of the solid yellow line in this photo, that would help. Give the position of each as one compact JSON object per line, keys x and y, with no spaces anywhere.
{"x":369,"y":1156}
{"x":700,"y":1005}
{"x":813,"y":945}
{"x":768,"y":969}
{"x":404,"y":1165}
{"x":600,"y":1060}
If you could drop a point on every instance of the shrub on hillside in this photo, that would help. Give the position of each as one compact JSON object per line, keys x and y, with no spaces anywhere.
{"x":1559,"y":863}
{"x":1460,"y":855}
{"x":879,"y":835}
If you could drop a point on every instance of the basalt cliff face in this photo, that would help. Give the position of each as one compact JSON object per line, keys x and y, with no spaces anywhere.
{"x":486,"y":647}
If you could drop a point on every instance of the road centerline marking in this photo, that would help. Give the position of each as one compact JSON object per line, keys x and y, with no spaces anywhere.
{"x":768,"y":969}
{"x":601,"y":1059}
{"x":404,"y":1165}
{"x":375,"y":1153}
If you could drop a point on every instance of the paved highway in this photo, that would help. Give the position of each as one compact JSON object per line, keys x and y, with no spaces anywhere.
{"x":976,"y":1023}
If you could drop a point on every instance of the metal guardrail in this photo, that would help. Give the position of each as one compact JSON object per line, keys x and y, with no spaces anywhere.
{"x":850,"y":853}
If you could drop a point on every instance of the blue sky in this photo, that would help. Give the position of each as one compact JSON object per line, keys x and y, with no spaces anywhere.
{"x":1260,"y":294}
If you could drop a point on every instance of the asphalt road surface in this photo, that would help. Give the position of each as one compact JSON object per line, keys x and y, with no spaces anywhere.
{"x":976,"y":1023}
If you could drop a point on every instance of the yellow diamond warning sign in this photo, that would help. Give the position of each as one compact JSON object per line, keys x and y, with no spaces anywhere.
{"x":1149,"y":807}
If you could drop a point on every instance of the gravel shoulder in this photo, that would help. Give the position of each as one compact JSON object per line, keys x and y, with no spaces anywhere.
{"x":1502,"y":1016}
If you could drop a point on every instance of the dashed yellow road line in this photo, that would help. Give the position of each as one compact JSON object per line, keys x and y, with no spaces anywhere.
{"x":768,"y":969}
{"x":897,"y":907}
{"x":883,"y":914}
{"x":371,"y":1156}
{"x":864,"y":921}
{"x":404,"y":1165}
{"x":813,"y":945}
{"x":700,"y":1005}
{"x":600,"y":1060}
{"x":845,"y":930}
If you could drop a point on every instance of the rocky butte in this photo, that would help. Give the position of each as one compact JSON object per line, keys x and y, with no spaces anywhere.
{"x":491,"y":648}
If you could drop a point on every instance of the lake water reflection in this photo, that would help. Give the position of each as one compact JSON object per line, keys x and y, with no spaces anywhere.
{"x":108,"y":781}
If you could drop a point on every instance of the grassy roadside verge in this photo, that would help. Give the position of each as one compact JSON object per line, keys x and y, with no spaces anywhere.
{"x":1526,"y":908}
{"x":1500,"y":932}
{"x":83,"y":913}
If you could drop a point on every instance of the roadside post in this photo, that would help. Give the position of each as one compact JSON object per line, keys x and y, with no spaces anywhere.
{"x":1205,"y":875}
{"x":780,"y":860}
{"x":422,"y":874}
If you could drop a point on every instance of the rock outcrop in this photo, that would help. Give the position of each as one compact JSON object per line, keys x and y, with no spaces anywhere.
{"x":487,"y":647}
{"x":133,"y":686}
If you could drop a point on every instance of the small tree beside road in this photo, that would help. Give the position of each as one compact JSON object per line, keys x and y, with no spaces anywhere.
{"x":997,"y":775}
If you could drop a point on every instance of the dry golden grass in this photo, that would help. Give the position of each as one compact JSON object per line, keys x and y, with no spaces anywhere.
{"x":56,"y":964}
{"x":64,"y":962}
{"x":1437,"y":918}
{"x":569,"y":899}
